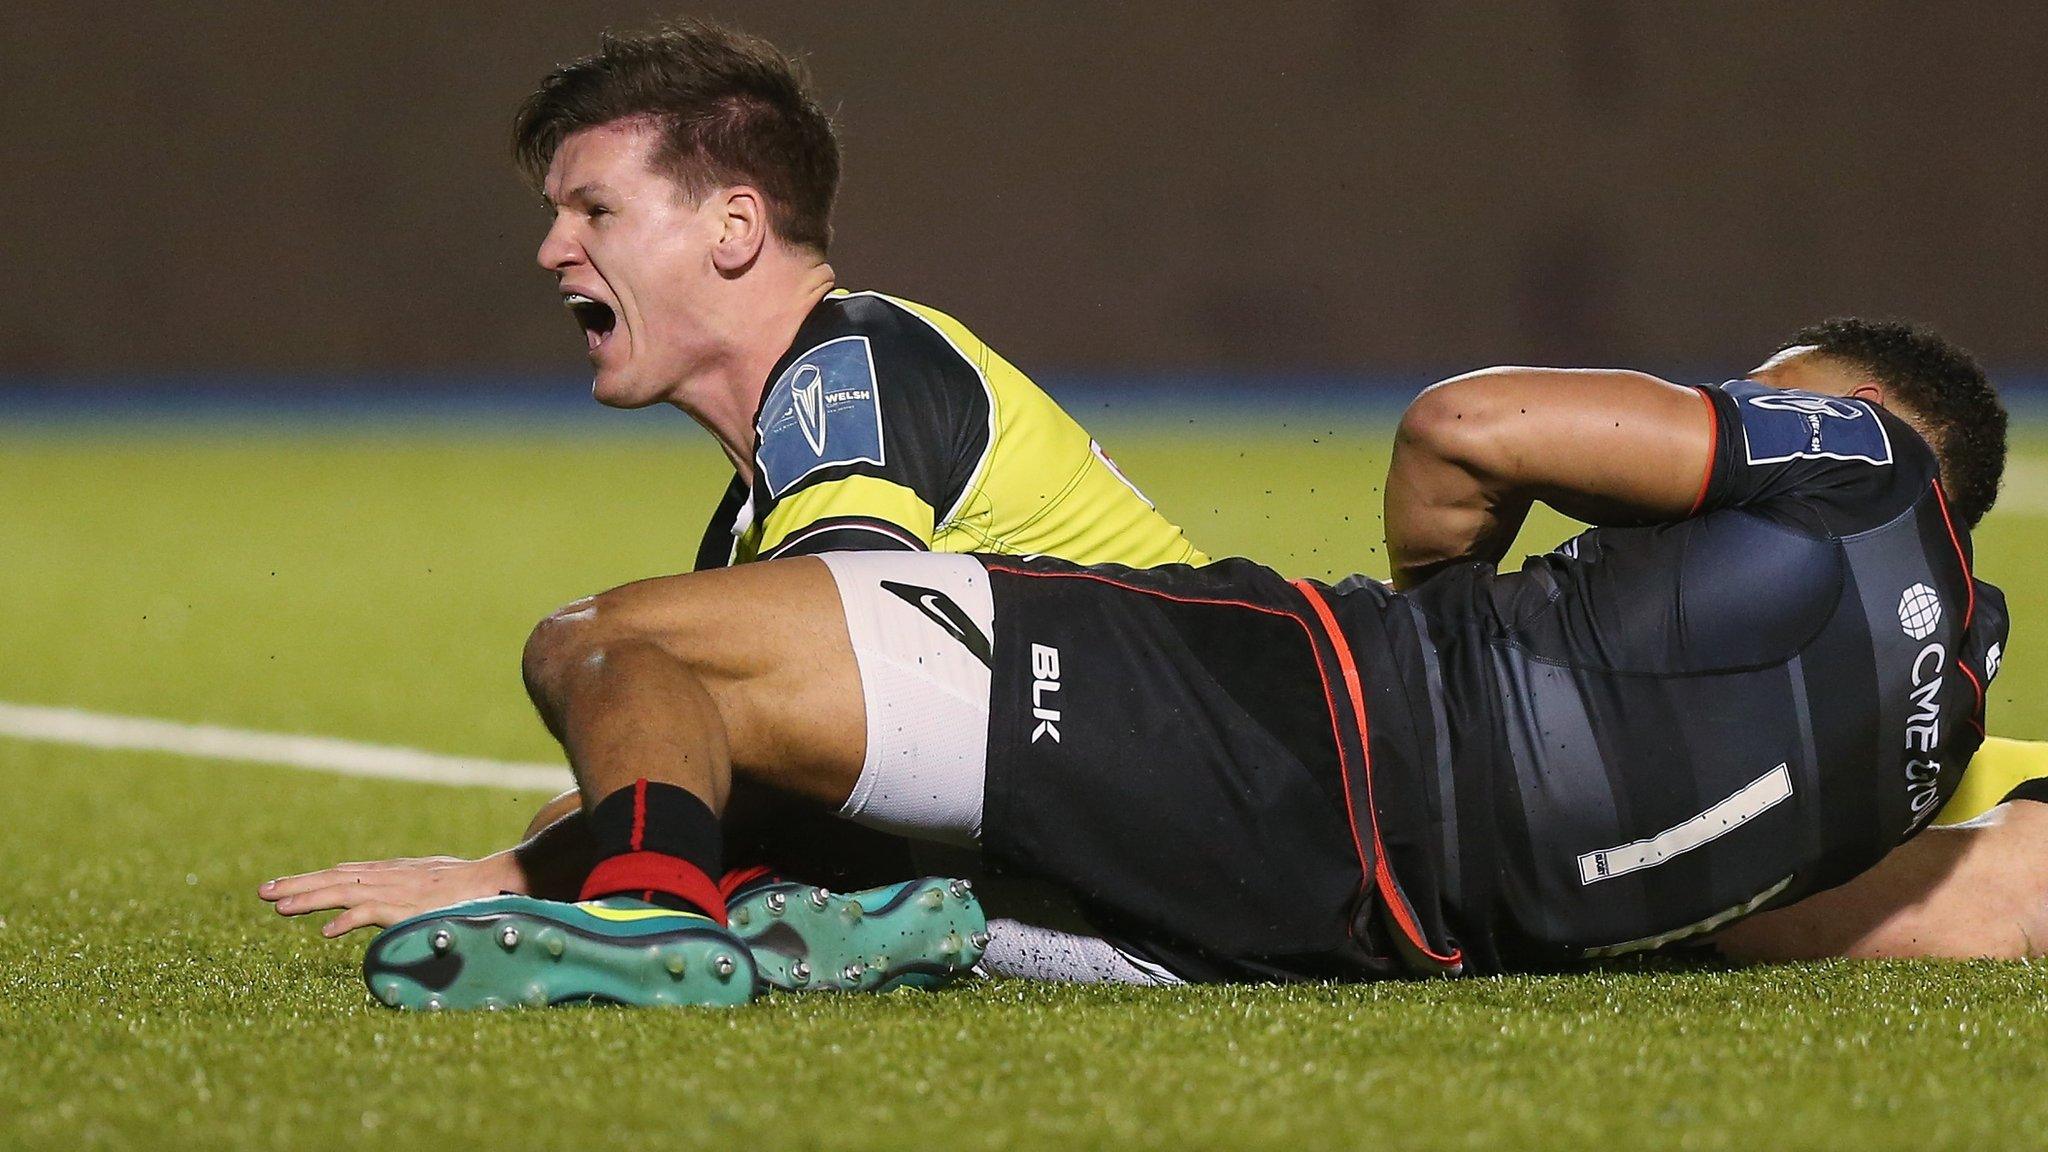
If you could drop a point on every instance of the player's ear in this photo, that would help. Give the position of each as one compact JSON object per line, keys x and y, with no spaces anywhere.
{"x":1871,"y":392}
{"x":743,"y":229}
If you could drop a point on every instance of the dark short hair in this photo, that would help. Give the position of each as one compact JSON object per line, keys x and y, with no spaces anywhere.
{"x":731,"y":109}
{"x":1938,"y":383}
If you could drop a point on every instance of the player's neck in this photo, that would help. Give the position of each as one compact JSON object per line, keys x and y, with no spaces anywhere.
{"x":726,"y":393}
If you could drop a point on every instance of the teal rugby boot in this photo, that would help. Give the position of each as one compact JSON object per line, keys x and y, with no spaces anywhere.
{"x":916,"y":934}
{"x":509,"y":951}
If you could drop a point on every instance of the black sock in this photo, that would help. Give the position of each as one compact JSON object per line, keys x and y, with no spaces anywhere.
{"x":659,"y":843}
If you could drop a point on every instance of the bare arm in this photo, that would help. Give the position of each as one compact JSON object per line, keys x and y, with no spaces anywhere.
{"x":1473,"y":452}
{"x":1972,"y":890}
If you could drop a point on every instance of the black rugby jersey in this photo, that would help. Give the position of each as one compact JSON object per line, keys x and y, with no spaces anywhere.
{"x":890,"y":425}
{"x":1657,"y":730}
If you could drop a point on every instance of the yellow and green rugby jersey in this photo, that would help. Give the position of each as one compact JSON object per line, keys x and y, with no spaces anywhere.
{"x":888,"y":425}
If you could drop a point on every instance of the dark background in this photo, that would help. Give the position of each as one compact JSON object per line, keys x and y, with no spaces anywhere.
{"x":1372,"y":188}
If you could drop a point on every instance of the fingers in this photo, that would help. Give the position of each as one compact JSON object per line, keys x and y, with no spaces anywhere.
{"x":381,"y":892}
{"x":376,"y":914}
{"x":274,"y":890}
{"x":285,"y":886}
{"x":344,"y":894}
{"x":326,"y":877}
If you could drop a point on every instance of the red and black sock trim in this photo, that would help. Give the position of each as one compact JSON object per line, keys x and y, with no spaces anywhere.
{"x":659,"y":843}
{"x":658,"y":879}
{"x":739,"y":881}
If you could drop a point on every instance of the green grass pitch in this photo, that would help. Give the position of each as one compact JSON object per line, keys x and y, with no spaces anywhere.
{"x":376,"y":585}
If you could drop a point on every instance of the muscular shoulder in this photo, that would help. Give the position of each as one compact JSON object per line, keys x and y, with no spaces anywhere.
{"x":870,"y":429}
{"x":926,"y":355}
{"x":1834,"y":465}
{"x":869,"y":384}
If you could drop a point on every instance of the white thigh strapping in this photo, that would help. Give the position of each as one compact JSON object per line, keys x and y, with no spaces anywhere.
{"x":921,"y":624}
{"x":1023,"y":951}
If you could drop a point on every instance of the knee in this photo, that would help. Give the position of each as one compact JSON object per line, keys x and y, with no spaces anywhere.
{"x":570,"y":636}
{"x":603,"y":639}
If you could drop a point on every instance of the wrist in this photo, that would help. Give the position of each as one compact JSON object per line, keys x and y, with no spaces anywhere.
{"x":504,"y":872}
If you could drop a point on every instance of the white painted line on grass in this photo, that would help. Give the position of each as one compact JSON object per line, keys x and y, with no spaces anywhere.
{"x":314,"y":753}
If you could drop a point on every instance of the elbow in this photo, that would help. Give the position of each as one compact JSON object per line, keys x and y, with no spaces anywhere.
{"x":1454,"y":420}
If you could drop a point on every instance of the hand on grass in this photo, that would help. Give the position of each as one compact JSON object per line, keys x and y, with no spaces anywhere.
{"x":380,"y":893}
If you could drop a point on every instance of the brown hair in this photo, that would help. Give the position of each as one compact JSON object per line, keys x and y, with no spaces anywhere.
{"x":1940,"y":383}
{"x":731,"y":109}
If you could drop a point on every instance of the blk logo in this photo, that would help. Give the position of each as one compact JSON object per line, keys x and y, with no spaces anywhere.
{"x":1045,"y":684}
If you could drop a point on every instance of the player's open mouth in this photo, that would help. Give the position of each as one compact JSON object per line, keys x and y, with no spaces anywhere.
{"x":595,"y":316}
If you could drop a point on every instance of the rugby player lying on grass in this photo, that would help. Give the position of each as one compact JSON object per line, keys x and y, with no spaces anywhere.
{"x":1748,"y":697}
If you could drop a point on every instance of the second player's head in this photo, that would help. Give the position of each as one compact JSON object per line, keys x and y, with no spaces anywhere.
{"x":1930,"y":382}
{"x":676,"y":162}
